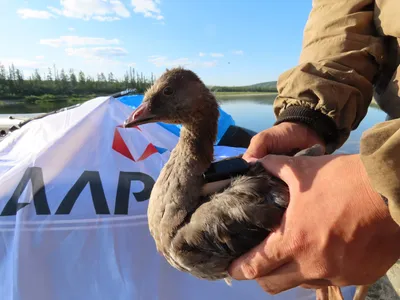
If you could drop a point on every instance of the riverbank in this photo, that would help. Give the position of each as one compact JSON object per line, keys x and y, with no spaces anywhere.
{"x":250,"y":94}
{"x":235,"y":94}
{"x":48,"y":98}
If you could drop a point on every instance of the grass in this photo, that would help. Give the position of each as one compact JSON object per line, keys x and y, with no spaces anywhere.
{"x":56,"y":98}
{"x":47,"y":98}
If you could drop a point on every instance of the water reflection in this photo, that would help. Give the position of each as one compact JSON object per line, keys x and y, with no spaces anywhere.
{"x":22,"y":107}
{"x":256,"y":99}
{"x":256,"y":113}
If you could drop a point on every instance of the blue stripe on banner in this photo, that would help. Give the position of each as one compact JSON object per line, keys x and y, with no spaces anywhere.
{"x":175,"y":129}
{"x":225,"y":119}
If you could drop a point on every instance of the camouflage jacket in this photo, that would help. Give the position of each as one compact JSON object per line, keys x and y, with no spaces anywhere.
{"x":350,"y":55}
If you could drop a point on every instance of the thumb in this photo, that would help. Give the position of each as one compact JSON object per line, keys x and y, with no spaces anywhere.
{"x":249,"y":158}
{"x":254,"y":152}
{"x":262,"y":259}
{"x":280,"y":166}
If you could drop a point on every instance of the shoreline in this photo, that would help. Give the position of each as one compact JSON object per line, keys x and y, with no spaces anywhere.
{"x":62,"y":97}
{"x":46,"y":98}
{"x":82,"y":98}
{"x":234,"y":94}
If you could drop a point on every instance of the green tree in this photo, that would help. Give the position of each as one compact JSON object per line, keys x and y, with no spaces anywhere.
{"x":3,"y":80}
{"x":73,"y":80}
{"x":55,"y":82}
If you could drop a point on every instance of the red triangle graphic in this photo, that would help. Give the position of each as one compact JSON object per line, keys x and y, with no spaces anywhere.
{"x":120,"y":146}
{"x":150,"y":149}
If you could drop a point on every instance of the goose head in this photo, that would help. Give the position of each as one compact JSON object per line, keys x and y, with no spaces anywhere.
{"x":177,"y":97}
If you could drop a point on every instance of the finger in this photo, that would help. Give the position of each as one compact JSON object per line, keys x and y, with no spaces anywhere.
{"x":284,"y":278}
{"x":280,"y":166}
{"x":249,"y":158}
{"x":249,"y":154}
{"x":322,"y":294}
{"x":258,"y":146}
{"x":308,"y":286}
{"x":316,"y":284}
{"x":315,"y":150}
{"x":254,"y":152}
{"x":262,"y":259}
{"x":290,"y":276}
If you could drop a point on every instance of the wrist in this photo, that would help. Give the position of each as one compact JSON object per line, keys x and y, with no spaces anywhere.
{"x":367,"y":191}
{"x":318,"y":123}
{"x":305,"y":135}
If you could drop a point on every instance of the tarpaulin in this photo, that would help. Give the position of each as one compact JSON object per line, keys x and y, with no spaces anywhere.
{"x":74,"y":189}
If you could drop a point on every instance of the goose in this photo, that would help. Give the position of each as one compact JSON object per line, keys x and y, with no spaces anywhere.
{"x":201,"y":227}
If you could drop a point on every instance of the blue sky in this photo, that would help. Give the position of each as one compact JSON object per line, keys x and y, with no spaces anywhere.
{"x":225,"y":42}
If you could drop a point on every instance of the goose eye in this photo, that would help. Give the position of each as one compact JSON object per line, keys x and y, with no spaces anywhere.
{"x":168,"y":91}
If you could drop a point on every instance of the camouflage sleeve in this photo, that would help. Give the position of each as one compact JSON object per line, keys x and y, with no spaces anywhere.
{"x":380,"y":154}
{"x":331,"y":88}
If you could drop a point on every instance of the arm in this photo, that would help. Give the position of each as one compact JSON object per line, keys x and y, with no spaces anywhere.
{"x":330,"y":92}
{"x":380,"y":154}
{"x":331,"y":88}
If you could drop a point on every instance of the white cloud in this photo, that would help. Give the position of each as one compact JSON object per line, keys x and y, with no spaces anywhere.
{"x":132,"y":65}
{"x":149,"y":8}
{"x":163,"y":61}
{"x":106,"y":19}
{"x":40,"y":57}
{"x":55,"y":10}
{"x":201,"y":54}
{"x":120,"y":8}
{"x":103,"y":49}
{"x":238,"y":52}
{"x":217,"y":55}
{"x":27,"y":13}
{"x":72,"y":40}
{"x":71,"y":29}
{"x":100,"y":10}
{"x":97,"y":52}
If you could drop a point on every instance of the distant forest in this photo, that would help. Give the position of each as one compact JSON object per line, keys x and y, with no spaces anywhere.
{"x":259,"y":87}
{"x":54,"y":83}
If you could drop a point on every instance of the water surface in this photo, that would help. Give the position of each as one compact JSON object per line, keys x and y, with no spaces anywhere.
{"x":252,"y":112}
{"x":256,"y":113}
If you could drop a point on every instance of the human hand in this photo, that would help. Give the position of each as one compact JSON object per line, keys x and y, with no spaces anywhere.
{"x":281,"y":139}
{"x":336,"y":231}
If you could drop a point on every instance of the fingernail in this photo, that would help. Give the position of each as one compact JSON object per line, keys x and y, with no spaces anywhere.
{"x":250,"y":159}
{"x":242,"y":271}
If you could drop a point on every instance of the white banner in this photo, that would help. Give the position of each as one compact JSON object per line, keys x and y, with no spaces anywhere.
{"x":74,"y":188}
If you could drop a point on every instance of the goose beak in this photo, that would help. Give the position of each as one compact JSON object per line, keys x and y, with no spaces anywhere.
{"x":141,"y":115}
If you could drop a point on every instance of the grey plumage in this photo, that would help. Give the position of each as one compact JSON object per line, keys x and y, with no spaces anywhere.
{"x":197,"y":234}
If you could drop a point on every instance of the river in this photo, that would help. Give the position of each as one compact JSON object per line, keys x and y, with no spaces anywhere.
{"x":253,"y":112}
